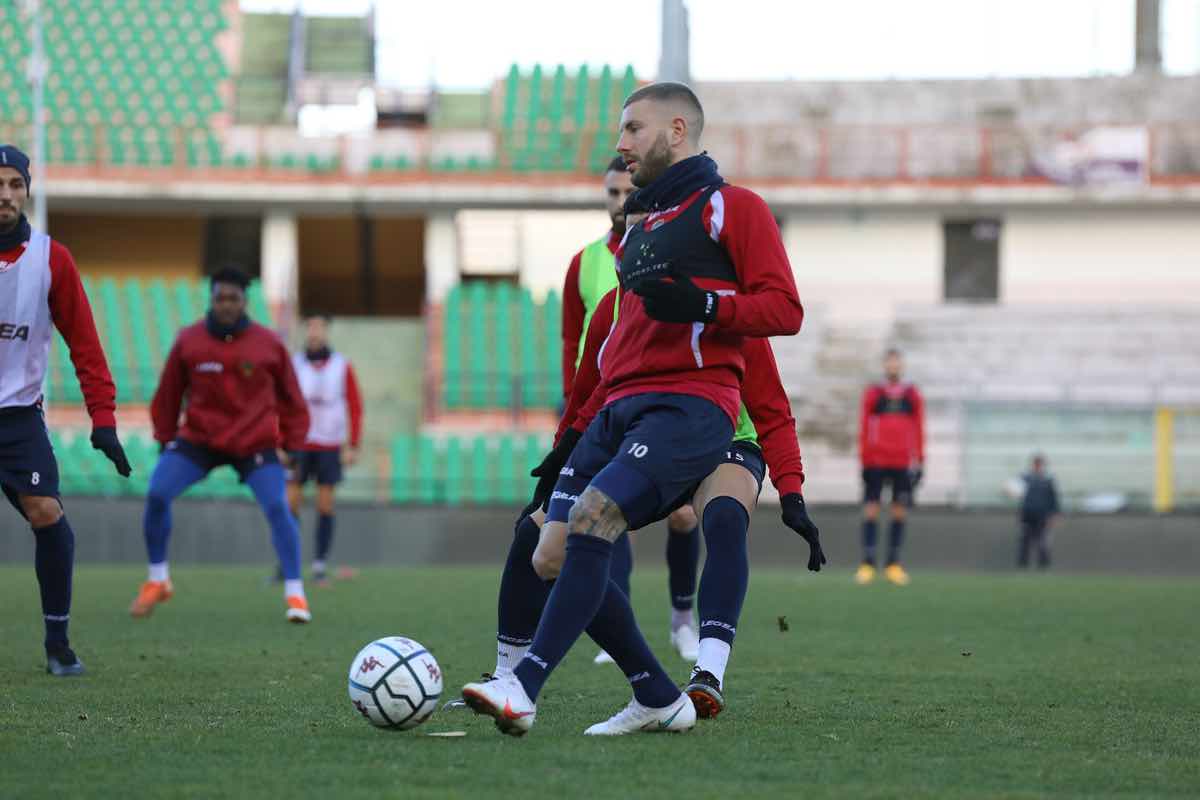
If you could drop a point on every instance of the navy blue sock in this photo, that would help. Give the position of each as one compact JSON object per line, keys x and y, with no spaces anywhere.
{"x":683,"y":559}
{"x":574,"y":601}
{"x":616,"y":631}
{"x":522,"y":593}
{"x":870,"y":537}
{"x":895,"y":540}
{"x":54,"y":559}
{"x":726,"y":569}
{"x":324,"y":536}
{"x":622,"y":563}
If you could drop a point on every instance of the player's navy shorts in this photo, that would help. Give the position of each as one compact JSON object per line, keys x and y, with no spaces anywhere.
{"x":27,"y":463}
{"x":899,"y":479}
{"x":323,"y":466}
{"x":208,"y":460}
{"x":648,"y":453}
{"x":749,"y":455}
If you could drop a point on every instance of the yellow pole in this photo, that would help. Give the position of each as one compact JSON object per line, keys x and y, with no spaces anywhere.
{"x":1164,"y":460}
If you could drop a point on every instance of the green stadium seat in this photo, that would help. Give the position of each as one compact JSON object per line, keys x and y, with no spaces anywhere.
{"x":453,"y":366}
{"x":500,"y":348}
{"x":480,"y":479}
{"x":508,"y":484}
{"x":403,"y":479}
{"x":455,"y":485}
{"x":428,"y":473}
{"x":476,"y":310}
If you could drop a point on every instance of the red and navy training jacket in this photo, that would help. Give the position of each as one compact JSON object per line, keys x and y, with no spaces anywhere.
{"x":725,"y":239}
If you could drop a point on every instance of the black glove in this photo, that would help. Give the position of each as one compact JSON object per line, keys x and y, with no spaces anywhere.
{"x":795,"y":516}
{"x":915,"y":473}
{"x":677,"y":300}
{"x":105,"y":440}
{"x":547,"y":471}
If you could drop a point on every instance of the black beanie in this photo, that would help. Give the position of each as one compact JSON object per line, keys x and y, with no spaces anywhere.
{"x":12,"y":157}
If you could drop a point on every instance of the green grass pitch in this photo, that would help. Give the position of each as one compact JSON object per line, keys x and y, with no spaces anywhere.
{"x":957,"y":686}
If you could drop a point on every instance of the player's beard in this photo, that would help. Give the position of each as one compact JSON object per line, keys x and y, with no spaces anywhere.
{"x":618,"y":223}
{"x":652,"y":165}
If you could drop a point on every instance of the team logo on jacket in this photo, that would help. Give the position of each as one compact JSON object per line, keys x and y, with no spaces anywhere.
{"x":247,"y":368}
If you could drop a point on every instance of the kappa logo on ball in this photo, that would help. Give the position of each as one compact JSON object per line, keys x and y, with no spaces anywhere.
{"x":362,"y":708}
{"x":369,"y":663}
{"x":434,"y":672}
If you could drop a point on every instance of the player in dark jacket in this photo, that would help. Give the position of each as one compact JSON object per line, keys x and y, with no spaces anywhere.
{"x":1039,"y":509}
{"x":40,"y":291}
{"x":891,"y":445}
{"x":243,"y":403}
{"x":703,"y":269}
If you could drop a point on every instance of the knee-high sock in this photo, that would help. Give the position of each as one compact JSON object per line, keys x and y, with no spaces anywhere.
{"x":615,"y":630}
{"x":870,"y":536}
{"x":521,"y":599}
{"x":173,"y":474}
{"x":270,"y":490}
{"x":726,"y":569}
{"x":54,"y":559}
{"x":324,"y":536}
{"x":895,"y":540}
{"x":622,"y":563}
{"x":683,"y":559}
{"x":574,"y":601}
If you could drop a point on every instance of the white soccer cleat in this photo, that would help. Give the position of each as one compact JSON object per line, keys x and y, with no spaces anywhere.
{"x":687,"y":642}
{"x":678,"y":717}
{"x":504,"y":700}
{"x":603,"y":658}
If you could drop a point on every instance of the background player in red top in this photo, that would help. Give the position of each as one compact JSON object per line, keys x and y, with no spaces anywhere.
{"x":591,"y":275}
{"x":242,"y":404}
{"x":703,"y":270}
{"x":40,"y":290}
{"x":891,"y":445}
{"x":335,"y":413}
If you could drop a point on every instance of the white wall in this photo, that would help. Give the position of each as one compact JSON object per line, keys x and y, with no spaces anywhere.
{"x":859,"y":265}
{"x":1146,"y":256}
{"x":549,"y":239}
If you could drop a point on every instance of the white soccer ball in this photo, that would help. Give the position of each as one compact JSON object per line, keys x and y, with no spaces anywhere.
{"x":395,"y":683}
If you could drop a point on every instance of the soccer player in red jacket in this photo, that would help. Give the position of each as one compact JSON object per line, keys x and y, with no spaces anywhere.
{"x":891,"y":445}
{"x":704,"y":269}
{"x":40,"y":290}
{"x":766,"y":432}
{"x":234,"y":382}
{"x":591,"y":275}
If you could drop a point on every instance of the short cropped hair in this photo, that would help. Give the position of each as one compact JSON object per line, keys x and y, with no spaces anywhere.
{"x":617,"y":165}
{"x":670,"y":91}
{"x":232,"y":276}
{"x":892,"y":351}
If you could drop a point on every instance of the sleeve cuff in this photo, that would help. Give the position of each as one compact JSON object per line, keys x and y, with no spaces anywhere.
{"x":725,"y":310}
{"x":104,"y":419}
{"x":790,"y":484}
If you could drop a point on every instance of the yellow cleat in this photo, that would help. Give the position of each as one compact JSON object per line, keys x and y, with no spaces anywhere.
{"x":151,"y":594}
{"x":865,"y":574}
{"x":896,"y":574}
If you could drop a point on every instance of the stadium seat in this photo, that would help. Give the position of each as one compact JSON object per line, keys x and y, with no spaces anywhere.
{"x":500,"y":348}
{"x":537,"y":134}
{"x":143,"y":73}
{"x":480,"y":469}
